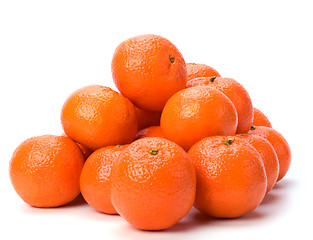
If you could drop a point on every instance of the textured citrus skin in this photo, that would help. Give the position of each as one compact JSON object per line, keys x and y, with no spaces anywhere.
{"x":147,"y":118}
{"x":280,"y":145}
{"x":148,"y":69}
{"x":195,"y":70}
{"x":45,"y":170}
{"x":195,"y":113}
{"x":231,"y":180}
{"x":153,"y":131}
{"x":237,"y":94}
{"x":86,"y":151}
{"x":259,"y":119}
{"x":95,"y":178}
{"x":153,"y":191}
{"x":268,"y":156}
{"x":96,"y":116}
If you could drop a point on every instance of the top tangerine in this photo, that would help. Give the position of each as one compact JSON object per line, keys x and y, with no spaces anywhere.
{"x":148,"y":69}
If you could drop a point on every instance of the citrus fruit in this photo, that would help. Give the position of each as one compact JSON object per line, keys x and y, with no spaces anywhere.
{"x":45,"y":170}
{"x":231,"y":179}
{"x":195,"y":113}
{"x":147,"y":118}
{"x":268,"y":156}
{"x":195,"y":70}
{"x":148,"y":69}
{"x":259,"y":119}
{"x":153,"y":131}
{"x":96,"y":116}
{"x":153,"y":184}
{"x":236,"y":93}
{"x":86,"y":151}
{"x":95,"y":178}
{"x":280,"y":145}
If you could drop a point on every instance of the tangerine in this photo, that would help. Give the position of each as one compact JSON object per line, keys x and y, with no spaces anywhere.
{"x":148,"y":69}
{"x":153,"y":184}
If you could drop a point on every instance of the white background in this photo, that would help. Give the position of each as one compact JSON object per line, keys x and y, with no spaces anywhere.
{"x":48,"y":49}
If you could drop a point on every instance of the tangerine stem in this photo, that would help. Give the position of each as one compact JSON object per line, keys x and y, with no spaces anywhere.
{"x":229,"y":141}
{"x":153,"y":151}
{"x":253,"y":127}
{"x":172,"y":59}
{"x":212,"y":79}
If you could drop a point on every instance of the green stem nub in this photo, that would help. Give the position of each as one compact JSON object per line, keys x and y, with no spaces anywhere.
{"x":118,"y":145}
{"x":253,"y":128}
{"x":153,"y":151}
{"x":212,"y":79}
{"x":229,"y":141}
{"x":172,"y":59}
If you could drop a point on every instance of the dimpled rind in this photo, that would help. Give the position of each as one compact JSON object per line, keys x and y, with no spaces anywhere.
{"x":153,"y":190}
{"x":236,"y":93}
{"x":268,"y":155}
{"x":195,"y":70}
{"x":95,"y":178}
{"x":143,"y":71}
{"x":231,"y":180}
{"x":280,"y":145}
{"x":195,"y":113}
{"x":259,"y":119}
{"x":97,"y":116}
{"x":45,"y":170}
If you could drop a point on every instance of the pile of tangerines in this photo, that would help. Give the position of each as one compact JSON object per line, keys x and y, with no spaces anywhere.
{"x":176,"y":135}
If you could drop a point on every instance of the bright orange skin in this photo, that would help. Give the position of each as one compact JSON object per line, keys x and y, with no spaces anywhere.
{"x":195,"y":113}
{"x":147,"y":118}
{"x":148,"y":69}
{"x":268,"y":156}
{"x":237,"y":94}
{"x":231,"y":180}
{"x":153,"y":131}
{"x":95,"y":178}
{"x":153,"y":192}
{"x":45,"y":170}
{"x":86,"y":151}
{"x":280,"y":145}
{"x":259,"y":119}
{"x":195,"y":70}
{"x":96,"y":116}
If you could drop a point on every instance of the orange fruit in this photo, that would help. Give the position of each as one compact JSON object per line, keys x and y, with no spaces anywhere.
{"x":195,"y":70}
{"x":280,"y":145}
{"x":95,"y":178}
{"x":96,"y":116}
{"x":268,"y":156}
{"x":147,"y":118}
{"x":86,"y":151}
{"x":259,"y":119}
{"x":148,"y":69}
{"x":45,"y":170}
{"x":195,"y":113}
{"x":153,"y":131}
{"x":153,"y":184}
{"x":231,"y":179}
{"x":236,"y":93}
